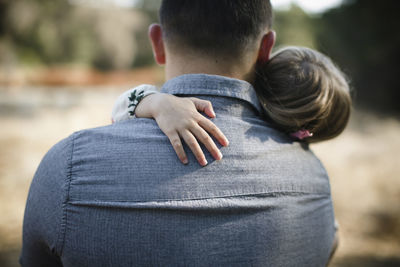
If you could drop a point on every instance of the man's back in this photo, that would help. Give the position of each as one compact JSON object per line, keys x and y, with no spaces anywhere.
{"x":118,"y":195}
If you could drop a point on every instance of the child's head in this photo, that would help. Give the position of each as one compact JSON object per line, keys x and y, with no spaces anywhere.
{"x":302,"y":89}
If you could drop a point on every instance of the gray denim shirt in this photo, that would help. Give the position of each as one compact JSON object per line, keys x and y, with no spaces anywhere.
{"x":118,"y":195}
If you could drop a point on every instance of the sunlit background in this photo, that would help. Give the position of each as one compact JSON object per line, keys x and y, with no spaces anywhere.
{"x":63,"y":63}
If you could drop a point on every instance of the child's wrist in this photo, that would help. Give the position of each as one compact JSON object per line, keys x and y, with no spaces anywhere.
{"x":155,"y":104}
{"x":147,"y":108}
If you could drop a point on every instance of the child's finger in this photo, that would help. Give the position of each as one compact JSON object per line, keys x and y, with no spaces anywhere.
{"x":191,"y":141}
{"x":203,"y":106}
{"x":177,"y":145}
{"x":204,"y":138}
{"x":210,"y":127}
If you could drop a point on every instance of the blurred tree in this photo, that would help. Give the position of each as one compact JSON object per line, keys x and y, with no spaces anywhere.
{"x":3,"y":10}
{"x":294,"y":27}
{"x":145,"y":55}
{"x":149,"y":6}
{"x":36,"y":28}
{"x":56,"y":32}
{"x":362,"y":37}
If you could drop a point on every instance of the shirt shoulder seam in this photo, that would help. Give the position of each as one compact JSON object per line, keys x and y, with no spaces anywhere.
{"x":68,"y":178}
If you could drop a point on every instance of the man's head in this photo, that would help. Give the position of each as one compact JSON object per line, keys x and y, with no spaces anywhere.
{"x":214,"y":26}
{"x":228,"y":30}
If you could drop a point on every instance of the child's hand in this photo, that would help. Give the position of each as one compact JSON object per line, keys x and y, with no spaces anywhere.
{"x":179,"y":118}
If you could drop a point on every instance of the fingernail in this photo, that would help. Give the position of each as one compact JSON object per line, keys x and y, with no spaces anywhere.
{"x":219,"y":155}
{"x":185,"y":161}
{"x":204,"y":162}
{"x":226,"y":142}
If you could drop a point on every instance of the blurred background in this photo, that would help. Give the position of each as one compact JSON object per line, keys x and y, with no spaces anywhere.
{"x":64,"y":62}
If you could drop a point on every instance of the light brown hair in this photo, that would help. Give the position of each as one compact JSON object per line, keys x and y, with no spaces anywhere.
{"x":300,"y":88}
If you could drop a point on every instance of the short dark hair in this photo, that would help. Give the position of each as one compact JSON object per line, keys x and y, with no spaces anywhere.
{"x":215,"y":26}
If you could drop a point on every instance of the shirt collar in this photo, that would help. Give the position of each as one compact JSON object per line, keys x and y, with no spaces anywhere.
{"x":204,"y":84}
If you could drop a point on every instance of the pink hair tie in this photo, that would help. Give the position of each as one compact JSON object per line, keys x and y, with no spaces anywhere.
{"x":301,"y":134}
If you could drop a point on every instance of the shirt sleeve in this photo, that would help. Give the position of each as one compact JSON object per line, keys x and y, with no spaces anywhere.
{"x":124,"y":106}
{"x":44,"y":219}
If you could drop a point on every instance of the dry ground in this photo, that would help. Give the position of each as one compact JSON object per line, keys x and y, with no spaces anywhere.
{"x":364,"y":165}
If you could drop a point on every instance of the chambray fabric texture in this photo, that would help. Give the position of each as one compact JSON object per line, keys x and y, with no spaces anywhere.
{"x":118,"y":195}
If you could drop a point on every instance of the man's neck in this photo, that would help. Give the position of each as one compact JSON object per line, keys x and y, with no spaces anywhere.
{"x":177,"y":65}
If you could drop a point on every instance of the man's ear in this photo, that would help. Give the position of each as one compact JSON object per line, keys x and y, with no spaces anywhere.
{"x":157,"y":43}
{"x":267,"y":42}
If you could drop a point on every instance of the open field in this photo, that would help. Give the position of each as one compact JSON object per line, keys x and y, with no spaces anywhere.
{"x":364,"y":165}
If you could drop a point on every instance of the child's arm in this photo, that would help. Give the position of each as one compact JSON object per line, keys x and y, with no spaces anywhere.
{"x":179,"y":118}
